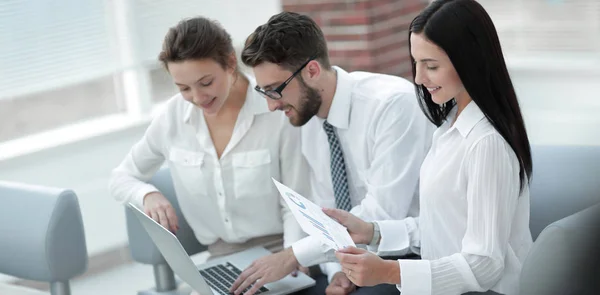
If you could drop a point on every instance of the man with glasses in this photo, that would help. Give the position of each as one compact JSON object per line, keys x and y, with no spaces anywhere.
{"x":363,"y":136}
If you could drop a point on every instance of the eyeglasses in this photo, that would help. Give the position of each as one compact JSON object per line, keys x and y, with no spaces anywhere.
{"x":276,"y":93}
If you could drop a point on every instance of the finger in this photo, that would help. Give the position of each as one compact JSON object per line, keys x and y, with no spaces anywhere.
{"x":294,"y":273}
{"x":349,"y":272}
{"x":335,"y":290}
{"x":154,"y":215}
{"x":352,"y":250}
{"x":247,"y":272}
{"x":255,"y":288}
{"x":340,"y":216}
{"x":347,"y":259}
{"x":172,"y":217}
{"x":345,"y":283}
{"x":162,"y":216}
{"x":248,"y":282}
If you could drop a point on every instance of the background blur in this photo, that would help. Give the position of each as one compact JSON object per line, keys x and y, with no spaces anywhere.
{"x":79,"y":80}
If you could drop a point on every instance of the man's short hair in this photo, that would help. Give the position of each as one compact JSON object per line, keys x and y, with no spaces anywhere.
{"x":288,"y":39}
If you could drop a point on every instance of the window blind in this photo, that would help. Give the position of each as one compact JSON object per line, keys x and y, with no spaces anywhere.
{"x":47,"y":44}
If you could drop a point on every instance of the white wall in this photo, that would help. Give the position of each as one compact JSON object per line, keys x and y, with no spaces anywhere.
{"x":559,"y":99}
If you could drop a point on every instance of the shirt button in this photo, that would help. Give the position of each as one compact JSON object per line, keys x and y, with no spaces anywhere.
{"x":226,"y":220}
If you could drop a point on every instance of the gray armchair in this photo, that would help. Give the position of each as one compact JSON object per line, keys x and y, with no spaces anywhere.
{"x":41,"y":235}
{"x":565,"y":258}
{"x":566,"y":180}
{"x":565,"y":222}
{"x":143,"y":249}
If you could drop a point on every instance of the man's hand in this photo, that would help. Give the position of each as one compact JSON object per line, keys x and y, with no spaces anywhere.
{"x":360,"y":231}
{"x":160,"y":209}
{"x":299,"y":269}
{"x":364,"y":268}
{"x":340,"y":285}
{"x":265,"y":270}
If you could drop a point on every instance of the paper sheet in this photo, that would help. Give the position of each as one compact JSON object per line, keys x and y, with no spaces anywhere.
{"x":313,"y":221}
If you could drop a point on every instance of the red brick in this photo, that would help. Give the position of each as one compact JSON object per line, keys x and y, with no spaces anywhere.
{"x":349,"y":53}
{"x":349,"y":20}
{"x":347,"y":37}
{"x":402,"y":43}
{"x":386,"y":21}
{"x":396,"y":30}
{"x":315,"y":7}
{"x":400,"y":59}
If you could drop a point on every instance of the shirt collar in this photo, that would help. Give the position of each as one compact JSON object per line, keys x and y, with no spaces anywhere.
{"x":339,"y":112}
{"x":255,"y":104}
{"x":468,"y":118}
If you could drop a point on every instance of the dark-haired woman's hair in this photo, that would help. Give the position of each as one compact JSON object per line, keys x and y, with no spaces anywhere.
{"x":197,"y":38}
{"x":464,"y":30}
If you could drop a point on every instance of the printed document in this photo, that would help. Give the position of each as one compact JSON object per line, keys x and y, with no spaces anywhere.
{"x":313,"y":221}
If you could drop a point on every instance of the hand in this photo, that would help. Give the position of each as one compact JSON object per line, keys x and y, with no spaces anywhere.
{"x":364,"y":268}
{"x":340,"y":285}
{"x":360,"y":231}
{"x":300,"y":268}
{"x":160,"y":209}
{"x":265,"y":270}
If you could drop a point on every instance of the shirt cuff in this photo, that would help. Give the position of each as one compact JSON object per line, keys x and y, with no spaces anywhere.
{"x":330,"y":269}
{"x":415,"y":277}
{"x":311,"y":251}
{"x":395,"y":239}
{"x":138,"y":197}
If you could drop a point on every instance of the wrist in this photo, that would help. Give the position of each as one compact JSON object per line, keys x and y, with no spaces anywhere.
{"x":148,"y":196}
{"x":376,"y":235}
{"x":392,"y":274}
{"x":291,"y":258}
{"x":368,"y":233}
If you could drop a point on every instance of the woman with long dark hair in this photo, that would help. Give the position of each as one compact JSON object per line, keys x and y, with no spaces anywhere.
{"x":473,"y":230}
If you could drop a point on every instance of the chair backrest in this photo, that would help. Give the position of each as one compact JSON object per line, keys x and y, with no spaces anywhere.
{"x":142,"y":248}
{"x":565,"y":259}
{"x":566,"y":179}
{"x":41,"y":233}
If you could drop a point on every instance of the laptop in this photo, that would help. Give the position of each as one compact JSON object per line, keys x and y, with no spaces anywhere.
{"x":217,"y":275}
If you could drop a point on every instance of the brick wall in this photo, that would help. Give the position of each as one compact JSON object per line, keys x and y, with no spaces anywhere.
{"x":368,"y":35}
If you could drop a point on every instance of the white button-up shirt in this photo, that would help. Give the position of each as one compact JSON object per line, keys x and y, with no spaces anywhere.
{"x":384,"y":137}
{"x":473,"y":230}
{"x":232,"y":198}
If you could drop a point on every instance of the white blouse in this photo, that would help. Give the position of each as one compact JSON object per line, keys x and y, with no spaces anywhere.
{"x":232,"y":198}
{"x":473,"y":230}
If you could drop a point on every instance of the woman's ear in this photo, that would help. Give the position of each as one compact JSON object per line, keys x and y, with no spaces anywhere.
{"x":232,"y":63}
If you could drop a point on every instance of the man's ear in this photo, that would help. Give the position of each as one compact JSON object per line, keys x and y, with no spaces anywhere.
{"x":312,"y":72}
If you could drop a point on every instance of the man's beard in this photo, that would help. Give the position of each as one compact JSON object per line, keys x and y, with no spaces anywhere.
{"x":309,"y":105}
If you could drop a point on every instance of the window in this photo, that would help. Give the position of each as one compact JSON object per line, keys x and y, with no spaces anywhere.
{"x":70,"y":61}
{"x":547,"y":26}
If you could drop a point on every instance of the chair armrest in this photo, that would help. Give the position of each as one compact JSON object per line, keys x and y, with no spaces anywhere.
{"x":564,"y":259}
{"x":41,"y":233}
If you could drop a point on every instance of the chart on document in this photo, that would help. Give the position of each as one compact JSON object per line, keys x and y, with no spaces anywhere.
{"x":313,"y":221}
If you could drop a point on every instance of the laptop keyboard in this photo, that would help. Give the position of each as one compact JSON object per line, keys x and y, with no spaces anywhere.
{"x":221,"y":277}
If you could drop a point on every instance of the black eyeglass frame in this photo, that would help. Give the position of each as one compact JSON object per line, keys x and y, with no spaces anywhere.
{"x":276,"y":93}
